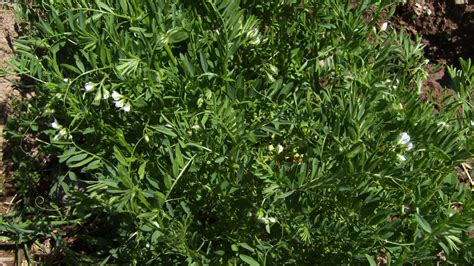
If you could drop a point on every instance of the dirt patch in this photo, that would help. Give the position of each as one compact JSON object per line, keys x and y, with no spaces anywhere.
{"x":7,"y":34}
{"x":446,"y":28}
{"x":447,"y":31}
{"x":9,"y":253}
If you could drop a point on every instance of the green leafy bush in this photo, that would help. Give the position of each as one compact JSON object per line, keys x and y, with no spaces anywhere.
{"x":229,"y":132}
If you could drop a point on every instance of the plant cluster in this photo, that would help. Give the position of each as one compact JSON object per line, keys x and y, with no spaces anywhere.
{"x":229,"y":132}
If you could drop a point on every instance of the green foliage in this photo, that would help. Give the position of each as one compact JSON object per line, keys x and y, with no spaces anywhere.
{"x":235,"y":132}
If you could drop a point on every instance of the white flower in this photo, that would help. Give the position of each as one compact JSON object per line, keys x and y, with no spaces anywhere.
{"x":119,"y":103}
{"x":272,"y":220}
{"x":89,"y":86}
{"x":56,"y":125}
{"x":404,"y":139}
{"x":280,"y":148}
{"x":196,"y":127}
{"x":116,"y":96}
{"x":383,"y":27}
{"x":66,"y":80}
{"x":472,"y":123}
{"x":126,"y":107}
{"x":62,"y":132}
{"x":266,"y":221}
{"x":401,"y":158}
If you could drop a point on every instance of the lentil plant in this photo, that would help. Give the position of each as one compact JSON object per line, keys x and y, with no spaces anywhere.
{"x":235,"y":132}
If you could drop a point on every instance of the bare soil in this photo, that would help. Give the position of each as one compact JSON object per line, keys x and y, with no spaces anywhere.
{"x":7,"y":33}
{"x":446,"y":28}
{"x":447,"y":31}
{"x":8,"y":251}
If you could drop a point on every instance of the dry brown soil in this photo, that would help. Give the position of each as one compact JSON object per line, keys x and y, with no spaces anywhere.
{"x":8,"y":250}
{"x":447,"y":31}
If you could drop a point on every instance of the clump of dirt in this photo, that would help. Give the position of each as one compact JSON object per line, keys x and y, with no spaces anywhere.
{"x":446,"y":28}
{"x":7,"y":34}
{"x":8,"y":251}
{"x":447,"y":31}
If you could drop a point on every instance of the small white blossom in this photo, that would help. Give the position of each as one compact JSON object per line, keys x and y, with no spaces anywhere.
{"x":267,"y":221}
{"x":89,"y":86}
{"x":119,"y":103}
{"x":62,"y":132}
{"x":383,"y":27}
{"x":401,"y":158}
{"x":472,"y":123}
{"x":66,"y":80}
{"x":127,"y":107}
{"x":116,"y":96}
{"x":404,"y":138}
{"x":195,"y":127}
{"x":280,"y":148}
{"x":56,"y":125}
